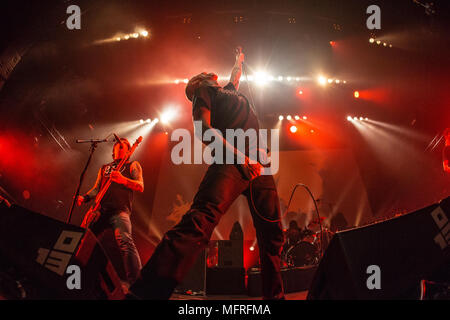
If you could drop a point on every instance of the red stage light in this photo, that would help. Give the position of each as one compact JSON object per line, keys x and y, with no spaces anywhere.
{"x":26,"y":194}
{"x":293,"y":129}
{"x":356,"y":94}
{"x":300,"y":92}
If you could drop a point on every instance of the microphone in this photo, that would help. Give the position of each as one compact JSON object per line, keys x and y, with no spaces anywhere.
{"x":91,"y":140}
{"x":116,"y":137}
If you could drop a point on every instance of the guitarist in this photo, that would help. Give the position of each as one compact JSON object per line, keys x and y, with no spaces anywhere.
{"x":116,"y":204}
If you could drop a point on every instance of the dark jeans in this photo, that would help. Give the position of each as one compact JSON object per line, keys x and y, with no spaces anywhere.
{"x":121,"y":225}
{"x":180,"y":246}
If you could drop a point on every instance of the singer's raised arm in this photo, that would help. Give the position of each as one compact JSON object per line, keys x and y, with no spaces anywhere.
{"x":237,"y":69}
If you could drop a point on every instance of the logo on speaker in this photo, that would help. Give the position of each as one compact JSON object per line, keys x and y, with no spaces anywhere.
{"x":441,"y":220}
{"x":57,"y":259}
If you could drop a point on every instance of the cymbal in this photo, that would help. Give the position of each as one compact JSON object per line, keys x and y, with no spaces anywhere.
{"x":317,"y":220}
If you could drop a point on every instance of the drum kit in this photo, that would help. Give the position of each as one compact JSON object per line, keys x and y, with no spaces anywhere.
{"x":307,"y":250}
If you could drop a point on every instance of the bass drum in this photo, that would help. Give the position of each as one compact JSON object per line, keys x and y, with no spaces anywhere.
{"x":302,"y":254}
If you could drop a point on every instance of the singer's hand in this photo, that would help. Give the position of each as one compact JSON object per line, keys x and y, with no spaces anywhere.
{"x":117,"y":177}
{"x":239,"y":55}
{"x":252,"y":169}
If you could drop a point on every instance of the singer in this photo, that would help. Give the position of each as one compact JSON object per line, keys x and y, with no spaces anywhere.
{"x":219,"y":109}
{"x":116,"y":205}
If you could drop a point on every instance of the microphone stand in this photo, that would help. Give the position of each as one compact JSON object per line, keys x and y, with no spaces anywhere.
{"x":92,"y":149}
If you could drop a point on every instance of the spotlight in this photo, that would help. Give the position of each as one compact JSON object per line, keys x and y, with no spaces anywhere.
{"x":144,"y":33}
{"x":300,"y":92}
{"x":349,"y":118}
{"x":141,"y":121}
{"x":385,"y":44}
{"x":355,"y":118}
{"x":378,"y":42}
{"x":345,"y":81}
{"x":177,"y":81}
{"x":135,"y":35}
{"x":330,"y":80}
{"x":149,"y":120}
{"x":289,"y":117}
{"x":360,"y":118}
{"x":297,"y":118}
{"x":332,"y":43}
{"x":305,"y":117}
{"x":118,"y":39}
{"x":167,"y":116}
{"x":367,"y":119}
{"x":293,"y":129}
{"x":26,"y":194}
{"x":356,"y":94}
{"x":280,"y":118}
{"x":371,"y":40}
{"x":261,"y":78}
{"x":288,"y":78}
{"x":312,"y":131}
{"x":297,"y":79}
{"x":338,"y":81}
{"x":252,"y":248}
{"x":156,"y":120}
{"x":322,"y":80}
{"x":127,"y":37}
{"x":390,"y":46}
{"x":280,"y":78}
{"x":185,"y":80}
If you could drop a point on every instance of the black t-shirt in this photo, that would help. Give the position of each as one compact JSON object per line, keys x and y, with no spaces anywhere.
{"x":118,"y":197}
{"x":229,"y":110}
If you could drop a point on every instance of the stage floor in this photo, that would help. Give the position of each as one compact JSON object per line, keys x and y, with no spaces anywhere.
{"x":289,"y":296}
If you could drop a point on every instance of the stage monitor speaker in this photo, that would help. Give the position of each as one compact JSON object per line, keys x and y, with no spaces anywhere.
{"x":195,"y":280}
{"x":225,"y":281}
{"x":231,"y":253}
{"x":294,"y":280}
{"x":49,"y":255}
{"x":387,"y":260}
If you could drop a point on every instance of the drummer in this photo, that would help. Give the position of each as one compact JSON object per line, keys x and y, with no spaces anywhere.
{"x":293,"y":233}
